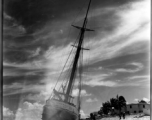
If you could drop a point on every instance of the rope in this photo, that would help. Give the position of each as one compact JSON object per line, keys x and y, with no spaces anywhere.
{"x":71,"y":63}
{"x":65,"y":65}
{"x":66,"y":61}
{"x":69,"y":54}
{"x":80,"y":84}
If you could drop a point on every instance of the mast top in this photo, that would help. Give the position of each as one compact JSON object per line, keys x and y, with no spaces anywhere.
{"x":88,"y":8}
{"x":76,"y":58}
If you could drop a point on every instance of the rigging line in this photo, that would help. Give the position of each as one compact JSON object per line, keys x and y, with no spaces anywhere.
{"x":67,"y":37}
{"x":74,"y":78}
{"x":64,"y":80}
{"x":72,"y":65}
{"x":80,"y":82}
{"x":68,"y":58}
{"x":68,"y":73}
{"x":63,"y":67}
{"x":79,"y":12}
{"x":61,"y":72}
{"x":78,"y":35}
{"x":80,"y":75}
{"x":87,"y":62}
{"x":72,"y":49}
{"x":98,"y":27}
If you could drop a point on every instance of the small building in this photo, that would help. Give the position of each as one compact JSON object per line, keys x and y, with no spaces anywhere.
{"x":135,"y":108}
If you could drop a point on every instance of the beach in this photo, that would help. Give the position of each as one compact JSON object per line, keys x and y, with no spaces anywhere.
{"x":130,"y":117}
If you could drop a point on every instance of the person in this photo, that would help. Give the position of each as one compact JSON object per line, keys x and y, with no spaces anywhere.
{"x":120,"y":116}
{"x":123,"y":115}
{"x":92,"y":116}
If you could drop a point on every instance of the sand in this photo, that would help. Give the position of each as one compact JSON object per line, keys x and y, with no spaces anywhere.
{"x":130,"y":117}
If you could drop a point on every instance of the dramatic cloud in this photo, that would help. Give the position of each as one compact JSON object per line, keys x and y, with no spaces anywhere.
{"x":125,"y":35}
{"x":92,"y":100}
{"x":83,"y":93}
{"x":97,"y":82}
{"x":136,"y":100}
{"x":146,"y":99}
{"x":8,"y":114}
{"x":37,"y":39}
{"x":17,"y":88}
{"x":83,"y":115}
{"x":139,"y":67}
{"x":29,"y":111}
{"x":40,"y":98}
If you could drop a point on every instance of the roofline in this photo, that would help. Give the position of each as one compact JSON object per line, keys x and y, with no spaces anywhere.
{"x":138,"y":103}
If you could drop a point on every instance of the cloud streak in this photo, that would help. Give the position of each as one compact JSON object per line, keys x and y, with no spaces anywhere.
{"x":91,"y":100}
{"x":83,"y":93}
{"x":138,"y":65}
{"x":40,"y":46}
{"x":29,"y":111}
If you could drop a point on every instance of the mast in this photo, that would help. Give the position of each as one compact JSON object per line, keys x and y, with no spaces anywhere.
{"x":82,"y":31}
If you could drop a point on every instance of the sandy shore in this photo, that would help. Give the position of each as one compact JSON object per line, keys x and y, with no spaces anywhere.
{"x":131,"y":117}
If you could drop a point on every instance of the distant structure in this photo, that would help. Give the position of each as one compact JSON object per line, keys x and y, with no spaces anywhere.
{"x":133,"y":108}
{"x":136,"y":108}
{"x":95,"y":113}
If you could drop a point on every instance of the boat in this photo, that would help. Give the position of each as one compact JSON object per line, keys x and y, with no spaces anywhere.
{"x":60,"y":105}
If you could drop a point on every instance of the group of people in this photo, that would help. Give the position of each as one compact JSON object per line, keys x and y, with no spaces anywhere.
{"x":92,"y":116}
{"x":122,"y":115}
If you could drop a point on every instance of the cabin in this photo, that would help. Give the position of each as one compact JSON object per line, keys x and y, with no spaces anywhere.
{"x":135,"y":108}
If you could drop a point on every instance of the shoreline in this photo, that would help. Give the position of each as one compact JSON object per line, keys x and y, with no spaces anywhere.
{"x":127,"y":117}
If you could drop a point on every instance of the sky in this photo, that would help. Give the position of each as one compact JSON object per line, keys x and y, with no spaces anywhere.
{"x":37,"y":38}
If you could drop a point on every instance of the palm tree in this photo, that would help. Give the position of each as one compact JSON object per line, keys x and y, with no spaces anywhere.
{"x":106,"y":107}
{"x":121,"y":102}
{"x":118,"y":103}
{"x":114,"y":104}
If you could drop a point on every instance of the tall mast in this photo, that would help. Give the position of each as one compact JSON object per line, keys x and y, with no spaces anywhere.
{"x":82,"y":31}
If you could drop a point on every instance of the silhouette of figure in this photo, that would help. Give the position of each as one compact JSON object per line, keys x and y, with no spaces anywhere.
{"x":124,"y":115}
{"x":120,"y":116}
{"x":92,"y":117}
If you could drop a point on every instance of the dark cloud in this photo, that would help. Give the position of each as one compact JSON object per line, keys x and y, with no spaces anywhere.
{"x":34,"y":14}
{"x":21,"y":40}
{"x":35,"y":24}
{"x":20,"y":75}
{"x":18,"y":46}
{"x":17,"y":56}
{"x":14,"y":101}
{"x":27,"y":79}
{"x":134,"y":64}
{"x":121,"y":61}
{"x":26,"y":25}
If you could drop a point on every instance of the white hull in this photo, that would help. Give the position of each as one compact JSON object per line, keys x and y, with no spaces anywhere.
{"x":58,"y":110}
